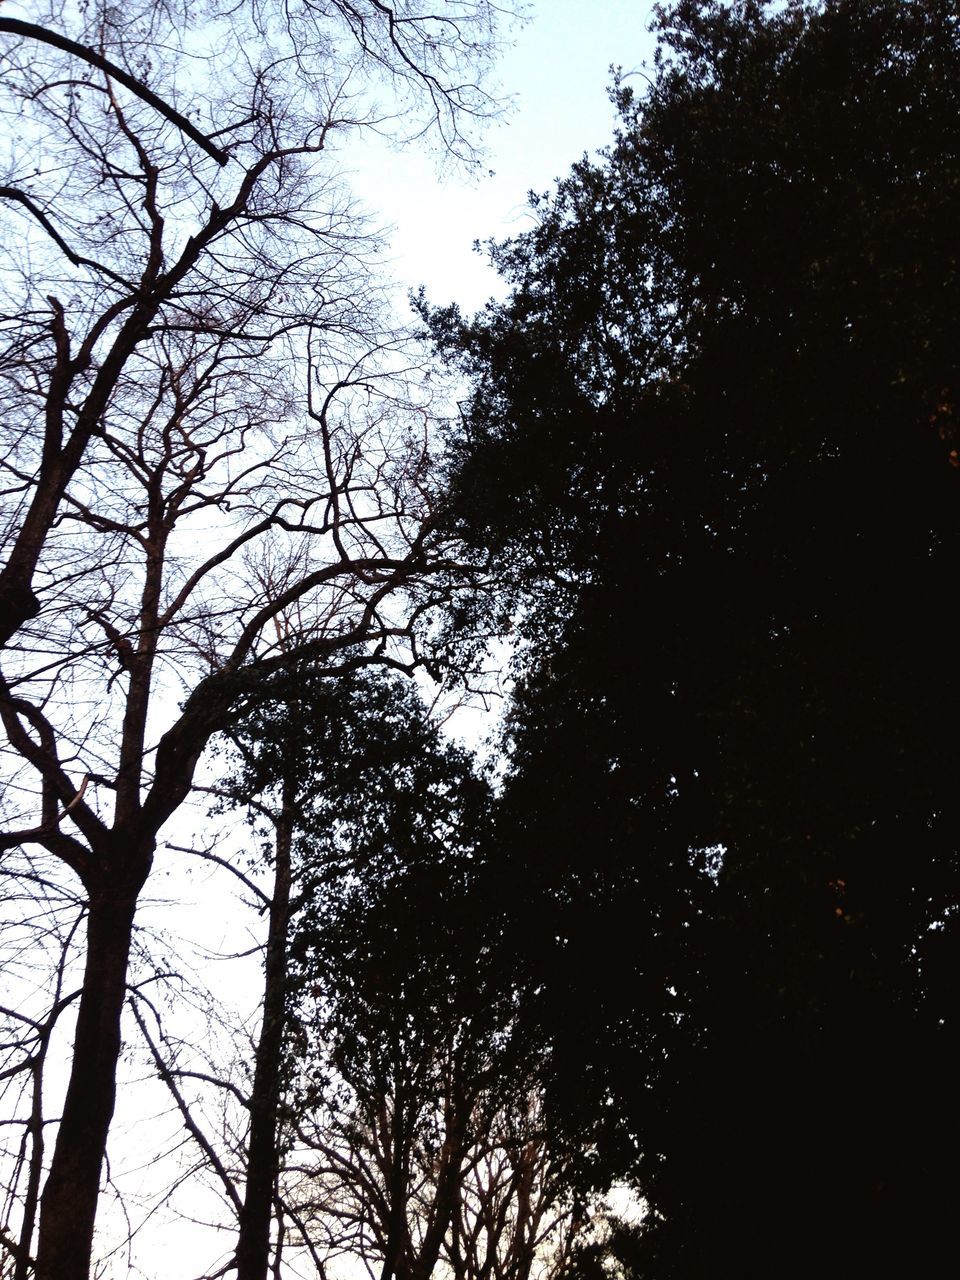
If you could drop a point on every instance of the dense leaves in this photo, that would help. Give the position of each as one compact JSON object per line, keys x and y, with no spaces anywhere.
{"x":390,"y":931}
{"x":712,"y":438}
{"x":389,"y":940}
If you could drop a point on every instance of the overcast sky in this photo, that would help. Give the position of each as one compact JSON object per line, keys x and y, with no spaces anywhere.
{"x":557,"y":72}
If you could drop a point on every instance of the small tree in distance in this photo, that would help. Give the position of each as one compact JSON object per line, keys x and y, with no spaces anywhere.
{"x":207,"y":429}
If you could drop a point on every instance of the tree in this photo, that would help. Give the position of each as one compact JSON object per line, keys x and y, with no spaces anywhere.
{"x":712,"y":436}
{"x":210,"y":439}
{"x":411,"y":1033}
{"x":517,"y":1217}
{"x":46,"y":939}
{"x":402,"y":1131}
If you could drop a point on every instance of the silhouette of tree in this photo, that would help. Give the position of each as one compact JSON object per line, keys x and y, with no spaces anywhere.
{"x":412,"y":1057}
{"x":211,"y":437}
{"x":393,"y":1111}
{"x":712,"y":443}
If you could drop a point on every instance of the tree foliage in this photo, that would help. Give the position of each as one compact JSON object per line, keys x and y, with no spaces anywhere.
{"x":408,"y":1132}
{"x":412,"y":1051}
{"x":712,"y":436}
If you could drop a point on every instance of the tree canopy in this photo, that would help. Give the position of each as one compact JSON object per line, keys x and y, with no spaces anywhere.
{"x":408,"y":1132}
{"x":712,"y":439}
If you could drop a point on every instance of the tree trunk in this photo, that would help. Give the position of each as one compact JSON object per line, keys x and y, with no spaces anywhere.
{"x":69,"y":1202}
{"x":253,"y":1241}
{"x":446,"y":1195}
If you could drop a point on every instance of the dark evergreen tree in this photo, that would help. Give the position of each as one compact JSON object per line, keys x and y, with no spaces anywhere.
{"x":712,"y":439}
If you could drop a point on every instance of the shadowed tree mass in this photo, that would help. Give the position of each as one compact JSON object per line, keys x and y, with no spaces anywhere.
{"x":712,"y":437}
{"x":704,"y":938}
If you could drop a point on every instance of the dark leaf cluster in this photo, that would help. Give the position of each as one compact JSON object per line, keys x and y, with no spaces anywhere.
{"x":712,"y":441}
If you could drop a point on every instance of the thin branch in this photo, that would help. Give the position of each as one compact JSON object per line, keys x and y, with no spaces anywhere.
{"x":222,"y":862}
{"x":77,"y":259}
{"x":191,"y":1125}
{"x":31,"y":31}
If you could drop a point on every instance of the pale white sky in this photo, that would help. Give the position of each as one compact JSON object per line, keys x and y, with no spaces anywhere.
{"x":557,"y":74}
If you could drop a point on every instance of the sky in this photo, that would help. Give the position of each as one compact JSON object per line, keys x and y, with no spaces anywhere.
{"x":557,"y":74}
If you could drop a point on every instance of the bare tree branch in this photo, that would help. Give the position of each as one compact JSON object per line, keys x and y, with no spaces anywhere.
{"x":31,"y":31}
{"x":168,"y":1078}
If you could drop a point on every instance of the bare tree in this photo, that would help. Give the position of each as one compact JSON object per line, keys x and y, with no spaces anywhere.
{"x":389,"y":1156}
{"x":39,"y":947}
{"x":515,"y":1217}
{"x":435,"y":1175}
{"x":196,"y":389}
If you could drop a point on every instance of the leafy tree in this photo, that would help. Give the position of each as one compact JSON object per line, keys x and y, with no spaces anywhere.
{"x":374,"y":824}
{"x":712,"y":438}
{"x":392,"y":1108}
{"x":402,"y":1132}
{"x":412,"y":1046}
